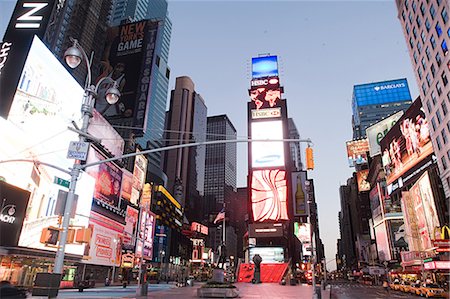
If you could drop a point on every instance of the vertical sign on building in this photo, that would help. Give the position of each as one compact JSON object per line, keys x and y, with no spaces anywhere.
{"x":28,"y":19}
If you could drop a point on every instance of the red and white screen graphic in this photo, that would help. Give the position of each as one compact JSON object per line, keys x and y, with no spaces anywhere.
{"x":269,"y":195}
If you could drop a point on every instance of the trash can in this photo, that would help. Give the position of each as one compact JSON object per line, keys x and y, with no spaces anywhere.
{"x":46,"y":284}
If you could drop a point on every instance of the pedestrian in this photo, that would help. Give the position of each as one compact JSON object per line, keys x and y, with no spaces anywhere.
{"x":386,"y":286}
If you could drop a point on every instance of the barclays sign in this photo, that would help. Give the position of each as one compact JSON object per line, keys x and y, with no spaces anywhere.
{"x":389,"y":86}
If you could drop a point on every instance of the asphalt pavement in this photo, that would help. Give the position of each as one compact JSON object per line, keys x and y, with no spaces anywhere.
{"x":354,"y":290}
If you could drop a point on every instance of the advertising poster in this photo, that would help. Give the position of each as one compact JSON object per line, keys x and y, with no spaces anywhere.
{"x":127,"y":60}
{"x":269,"y":195}
{"x":267,"y":154}
{"x":13,"y":205}
{"x":398,"y":234}
{"x":303,"y":232}
{"x":268,"y":254}
{"x":105,"y":247}
{"x":139,"y":173}
{"x":429,"y":205}
{"x":361,"y":178}
{"x":131,"y":222}
{"x":384,"y":251}
{"x":146,"y":233}
{"x":357,"y":152}
{"x":127,"y":181}
{"x":410,"y":220}
{"x":99,"y":127}
{"x":299,"y":193}
{"x":374,"y":197}
{"x":108,"y":179}
{"x":406,"y":144}
{"x":419,"y":210}
{"x":377,"y":131}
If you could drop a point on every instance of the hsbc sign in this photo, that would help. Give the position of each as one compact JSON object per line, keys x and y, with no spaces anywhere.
{"x":263,"y":82}
{"x":266,"y":113}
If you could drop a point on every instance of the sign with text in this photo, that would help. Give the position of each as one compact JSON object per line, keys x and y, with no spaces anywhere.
{"x":78,"y":150}
{"x":357,"y":152}
{"x":377,"y":131}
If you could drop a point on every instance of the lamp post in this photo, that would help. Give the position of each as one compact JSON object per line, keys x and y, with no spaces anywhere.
{"x":73,"y":57}
{"x":313,"y":258}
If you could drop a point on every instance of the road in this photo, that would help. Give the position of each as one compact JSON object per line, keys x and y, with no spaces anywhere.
{"x":353,"y":290}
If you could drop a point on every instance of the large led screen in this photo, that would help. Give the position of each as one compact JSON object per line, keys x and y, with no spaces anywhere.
{"x":381,"y":235}
{"x":398,"y":234}
{"x":271,"y":153}
{"x":127,"y":59}
{"x":268,"y":254}
{"x":361,"y":178}
{"x":411,"y":226}
{"x":303,"y":232}
{"x":265,"y":98}
{"x":299,"y":193}
{"x":376,"y":132}
{"x":357,"y":152}
{"x":269,"y":195}
{"x":264,"y":66}
{"x":407,"y":143}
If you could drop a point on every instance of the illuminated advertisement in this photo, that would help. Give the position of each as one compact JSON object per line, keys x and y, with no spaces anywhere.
{"x":269,"y":195}
{"x":398,"y":234}
{"x":105,"y":247}
{"x":303,"y":232}
{"x":146,"y":233}
{"x":375,"y":206}
{"x":407,"y":143}
{"x":139,"y":173}
{"x":12,"y":213}
{"x":268,"y":254}
{"x":108,"y":179}
{"x":381,"y":235}
{"x":127,"y":59}
{"x":429,"y":204}
{"x":127,"y":181}
{"x":264,"y":97}
{"x":299,"y":193}
{"x":131,"y":221}
{"x":267,"y":154}
{"x":265,"y":66}
{"x":99,"y":127}
{"x":361,"y":178}
{"x":357,"y":152}
{"x":265,"y":230}
{"x":29,"y":19}
{"x":376,"y":132}
{"x":410,"y":221}
{"x":266,"y":113}
{"x":267,"y":82}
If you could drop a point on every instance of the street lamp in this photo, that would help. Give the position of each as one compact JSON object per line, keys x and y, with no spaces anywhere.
{"x":73,"y":57}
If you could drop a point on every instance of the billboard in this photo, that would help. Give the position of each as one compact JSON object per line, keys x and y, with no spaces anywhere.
{"x":303,"y":232}
{"x":28,"y":19}
{"x":357,"y":152}
{"x":264,"y":66}
{"x":410,"y":220}
{"x":382,"y":92}
{"x":127,"y":59}
{"x":131,"y":222}
{"x":381,"y":235}
{"x":377,"y":131}
{"x":407,"y":143}
{"x":13,"y":205}
{"x":146,"y":233}
{"x":299,"y":193}
{"x":269,"y":255}
{"x":265,"y":98}
{"x":269,"y":195}
{"x":127,"y":182}
{"x":361,"y":178}
{"x":102,"y":129}
{"x":398,"y":234}
{"x":139,"y":173}
{"x":267,"y":154}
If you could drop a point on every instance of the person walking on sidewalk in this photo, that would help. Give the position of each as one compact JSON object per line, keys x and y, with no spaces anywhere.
{"x":386,"y":286}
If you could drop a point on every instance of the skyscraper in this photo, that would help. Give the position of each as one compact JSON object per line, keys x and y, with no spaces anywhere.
{"x":294,"y":146}
{"x":372,"y":102}
{"x":426,"y":27}
{"x":186,"y":123}
{"x":133,"y":10}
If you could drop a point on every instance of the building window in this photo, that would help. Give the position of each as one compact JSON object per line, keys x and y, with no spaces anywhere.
{"x":422,"y":9}
{"x":407,"y":27}
{"x":418,"y":21}
{"x":429,"y":106}
{"x":444,"y":78}
{"x":427,"y":24}
{"x":404,"y":15}
{"x":419,"y":47}
{"x":438,"y":59}
{"x":433,"y":42}
{"x":432,"y":11}
{"x":438,"y":88}
{"x":411,"y":43}
{"x":438,"y":115}
{"x":433,"y":70}
{"x":410,"y":17}
{"x":433,"y":97}
{"x":433,"y":124}
{"x":415,"y":33}
{"x":424,"y":88}
{"x":168,"y":73}
{"x":414,"y":55}
{"x":406,"y":4}
{"x":424,"y":64}
{"x":428,"y":80}
{"x":444,"y":47}
{"x":158,"y":60}
{"x":444,"y":108}
{"x":438,"y":29}
{"x":444,"y":15}
{"x":428,"y":53}
{"x":423,"y":37}
{"x":438,"y":143}
{"x":419,"y":72}
{"x":414,"y":6}
{"x":444,"y":136}
{"x":444,"y":163}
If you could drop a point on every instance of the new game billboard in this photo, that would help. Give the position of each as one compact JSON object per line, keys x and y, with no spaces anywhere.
{"x":376,"y":132}
{"x":407,"y":143}
{"x":357,"y":152}
{"x":269,"y":195}
{"x":127,"y":59}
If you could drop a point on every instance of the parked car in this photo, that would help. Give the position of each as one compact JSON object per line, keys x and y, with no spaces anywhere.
{"x":395,"y":285}
{"x":404,"y":286}
{"x":431,"y":290}
{"x":414,"y":288}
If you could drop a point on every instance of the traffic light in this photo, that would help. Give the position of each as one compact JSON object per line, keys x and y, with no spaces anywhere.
{"x":309,"y":158}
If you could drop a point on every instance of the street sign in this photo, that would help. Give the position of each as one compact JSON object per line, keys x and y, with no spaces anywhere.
{"x":61,"y":182}
{"x":78,"y":150}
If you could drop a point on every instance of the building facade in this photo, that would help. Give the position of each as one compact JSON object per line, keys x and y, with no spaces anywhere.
{"x":372,"y":102}
{"x":295,"y":148}
{"x":426,"y":27}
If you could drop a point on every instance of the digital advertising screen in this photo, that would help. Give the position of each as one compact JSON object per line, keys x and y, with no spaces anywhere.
{"x":102,"y":129}
{"x":264,"y":66}
{"x":361,"y":178}
{"x":303,"y":232}
{"x":299,"y":193}
{"x":147,"y":233}
{"x":139,"y":173}
{"x":265,"y":98}
{"x":377,"y":131}
{"x":130,"y":229}
{"x":384,"y":251}
{"x":266,"y":82}
{"x":398,"y":234}
{"x":270,"y":153}
{"x":127,"y":59}
{"x":357,"y":152}
{"x":269,"y":255}
{"x":407,"y":143}
{"x":410,"y":220}
{"x":269,"y":195}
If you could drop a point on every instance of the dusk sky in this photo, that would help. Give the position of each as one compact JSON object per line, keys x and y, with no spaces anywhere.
{"x":323,"y":48}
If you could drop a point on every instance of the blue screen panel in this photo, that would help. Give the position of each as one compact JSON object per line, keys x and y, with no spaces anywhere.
{"x":264,"y":66}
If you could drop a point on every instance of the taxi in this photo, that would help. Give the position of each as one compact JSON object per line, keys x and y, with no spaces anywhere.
{"x":395,"y":285}
{"x":404,"y":286}
{"x":414,"y":288}
{"x":431,"y":290}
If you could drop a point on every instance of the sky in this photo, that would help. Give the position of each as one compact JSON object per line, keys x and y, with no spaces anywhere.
{"x":323,"y":48}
